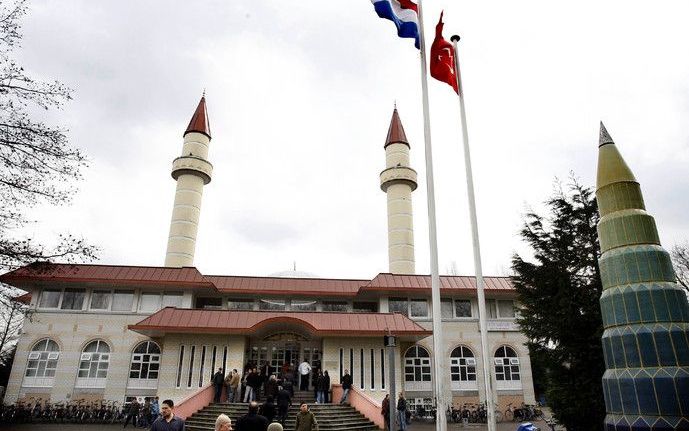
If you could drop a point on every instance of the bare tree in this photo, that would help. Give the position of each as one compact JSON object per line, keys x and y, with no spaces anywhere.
{"x":680,"y":259}
{"x":37,"y":165}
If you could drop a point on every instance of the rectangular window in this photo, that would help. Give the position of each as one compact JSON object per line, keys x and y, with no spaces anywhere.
{"x":506,"y":309}
{"x":202,"y":367}
{"x":361,"y":370}
{"x":150,"y":302}
{"x":172,"y":299}
{"x":123,"y":300}
{"x":73,"y":299}
{"x":335,"y":306}
{"x":382,"y":368}
{"x":100,"y":299}
{"x":50,"y":298}
{"x":373,"y":370}
{"x":462,"y":308}
{"x":192,"y":353}
{"x":215,"y":350}
{"x":446,"y":311}
{"x":419,"y":308}
{"x":491,"y":309}
{"x":271,"y":304}
{"x":299,"y":305}
{"x":179,"y":367}
{"x":398,"y":305}
{"x":224,"y":359}
{"x":208,"y":303}
{"x":365,"y":307}
{"x":240,"y":304}
{"x":341,"y":364}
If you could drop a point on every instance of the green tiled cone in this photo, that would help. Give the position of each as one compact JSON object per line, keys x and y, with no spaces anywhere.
{"x":645,"y":313}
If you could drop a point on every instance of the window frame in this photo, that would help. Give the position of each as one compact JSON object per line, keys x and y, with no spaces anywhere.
{"x":88,"y":380}
{"x":154,"y":359}
{"x":507,"y":365}
{"x":59,"y":299}
{"x":464,"y":364}
{"x":48,"y":357}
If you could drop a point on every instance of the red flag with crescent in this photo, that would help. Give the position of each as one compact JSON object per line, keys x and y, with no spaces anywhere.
{"x":442,"y":59}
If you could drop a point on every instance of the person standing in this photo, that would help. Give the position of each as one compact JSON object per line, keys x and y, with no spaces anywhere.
{"x":250,"y":382}
{"x":268,"y":409}
{"x":132,"y":413}
{"x":218,"y":381}
{"x":265,"y":375}
{"x":304,"y":371}
{"x":326,"y":387}
{"x":271,"y":389}
{"x":155,"y":409}
{"x":402,"y":412}
{"x":346,"y":386}
{"x":306,"y":420}
{"x":320,"y":382}
{"x":254,"y":380}
{"x":233,"y":387}
{"x":252,"y":421}
{"x":385,"y":411}
{"x":283,"y":401}
{"x":167,"y":420}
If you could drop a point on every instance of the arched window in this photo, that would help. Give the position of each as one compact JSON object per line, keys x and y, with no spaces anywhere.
{"x":507,"y":374}
{"x":463,"y":368}
{"x":145,"y":361}
{"x":417,"y":365}
{"x":93,"y":364}
{"x":41,"y":364}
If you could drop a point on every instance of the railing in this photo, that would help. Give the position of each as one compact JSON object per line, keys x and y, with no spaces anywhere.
{"x":196,"y":401}
{"x":362,"y":402}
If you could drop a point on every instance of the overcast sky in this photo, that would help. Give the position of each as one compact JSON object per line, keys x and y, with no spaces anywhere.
{"x":300,"y":96}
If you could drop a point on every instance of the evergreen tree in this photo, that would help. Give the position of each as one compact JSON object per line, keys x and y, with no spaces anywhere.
{"x":559,"y":288}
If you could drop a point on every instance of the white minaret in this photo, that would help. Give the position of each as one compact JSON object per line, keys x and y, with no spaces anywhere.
{"x":398,"y":180}
{"x":192,"y":171}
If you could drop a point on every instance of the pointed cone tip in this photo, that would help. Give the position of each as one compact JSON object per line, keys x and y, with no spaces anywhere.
{"x":604,"y":137}
{"x":396,"y":133}
{"x":199,"y":121}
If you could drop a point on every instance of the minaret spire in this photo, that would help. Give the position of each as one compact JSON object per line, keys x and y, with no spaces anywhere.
{"x":398,"y":180}
{"x":645,"y":313}
{"x":192,"y":171}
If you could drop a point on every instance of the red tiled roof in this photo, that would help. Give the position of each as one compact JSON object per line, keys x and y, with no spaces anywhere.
{"x":387,"y":281}
{"x":292,"y":286}
{"x":25,"y":298}
{"x":172,"y":319}
{"x":111,"y":274}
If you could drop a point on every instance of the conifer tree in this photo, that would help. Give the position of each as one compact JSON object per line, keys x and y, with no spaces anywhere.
{"x":559,"y":287}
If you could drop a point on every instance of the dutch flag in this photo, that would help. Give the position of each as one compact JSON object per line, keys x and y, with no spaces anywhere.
{"x":405,"y":15}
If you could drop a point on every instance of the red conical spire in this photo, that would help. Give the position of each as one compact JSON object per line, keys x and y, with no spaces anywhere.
{"x":396,"y":131}
{"x":199,"y":121}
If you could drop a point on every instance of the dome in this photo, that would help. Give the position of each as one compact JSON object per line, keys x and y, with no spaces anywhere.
{"x":293,"y":274}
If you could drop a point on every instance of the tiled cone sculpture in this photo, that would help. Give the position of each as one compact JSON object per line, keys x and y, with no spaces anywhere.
{"x":645,"y":312}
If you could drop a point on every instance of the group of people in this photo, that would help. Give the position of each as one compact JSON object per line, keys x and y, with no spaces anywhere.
{"x":142,"y":415}
{"x":403,"y":414}
{"x":263,"y":382}
{"x":163,"y":419}
{"x":261,"y":419}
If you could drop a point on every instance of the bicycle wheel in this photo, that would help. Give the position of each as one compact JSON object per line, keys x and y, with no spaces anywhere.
{"x":508,"y":415}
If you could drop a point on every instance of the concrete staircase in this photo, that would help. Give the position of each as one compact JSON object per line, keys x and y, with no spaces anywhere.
{"x":330,"y":417}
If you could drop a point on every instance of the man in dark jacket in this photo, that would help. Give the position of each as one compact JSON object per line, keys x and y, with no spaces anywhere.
{"x":268,"y":409}
{"x":252,"y":421}
{"x":132,"y":413}
{"x":218,"y":382}
{"x":283,"y":402}
{"x":346,"y":386}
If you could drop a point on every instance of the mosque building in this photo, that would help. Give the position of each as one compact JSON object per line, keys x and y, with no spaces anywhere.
{"x":115,"y":332}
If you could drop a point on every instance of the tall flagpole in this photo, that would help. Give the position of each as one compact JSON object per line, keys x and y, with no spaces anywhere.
{"x":477,"y":249}
{"x":438,"y":351}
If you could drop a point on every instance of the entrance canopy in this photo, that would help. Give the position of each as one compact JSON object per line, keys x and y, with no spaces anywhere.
{"x":178,"y":320}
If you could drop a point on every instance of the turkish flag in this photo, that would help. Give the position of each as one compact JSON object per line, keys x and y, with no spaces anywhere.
{"x":443,"y":58}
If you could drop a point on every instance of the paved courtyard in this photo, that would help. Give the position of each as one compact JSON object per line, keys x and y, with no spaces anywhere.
{"x":507,"y":426}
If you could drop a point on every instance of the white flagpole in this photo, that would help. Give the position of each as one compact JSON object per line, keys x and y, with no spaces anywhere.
{"x":438,"y":350}
{"x":477,"y":249}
